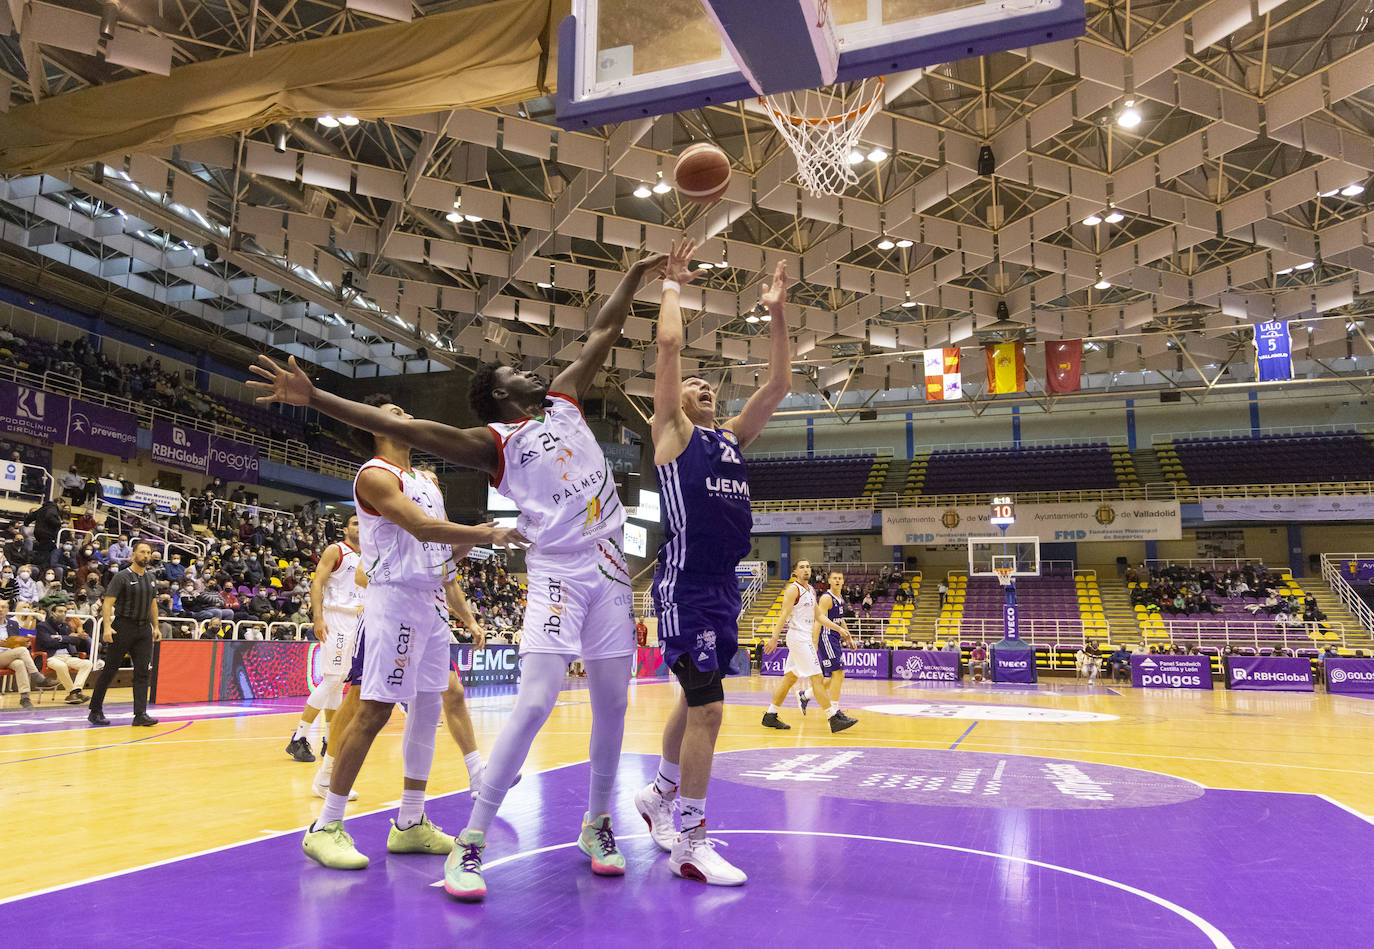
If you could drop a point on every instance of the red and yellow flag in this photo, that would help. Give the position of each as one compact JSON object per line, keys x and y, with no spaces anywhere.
{"x":1064,"y":365}
{"x":1006,"y":367}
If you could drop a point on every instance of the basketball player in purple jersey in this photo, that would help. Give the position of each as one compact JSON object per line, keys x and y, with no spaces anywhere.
{"x":706,"y":527}
{"x":830,"y":640}
{"x":539,"y":451}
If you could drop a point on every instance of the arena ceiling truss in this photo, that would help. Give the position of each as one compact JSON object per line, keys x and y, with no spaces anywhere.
{"x":410,"y":243}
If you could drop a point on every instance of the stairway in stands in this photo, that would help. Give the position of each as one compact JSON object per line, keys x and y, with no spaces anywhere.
{"x":1356,"y":636}
{"x":1116,"y":604}
{"x":1147,"y":467}
{"x":767,"y":602}
{"x":896,"y":476}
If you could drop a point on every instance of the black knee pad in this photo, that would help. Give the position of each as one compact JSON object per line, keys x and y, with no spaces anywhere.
{"x":701,"y":687}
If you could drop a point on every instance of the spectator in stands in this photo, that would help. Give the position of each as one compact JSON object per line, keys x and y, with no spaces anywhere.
{"x":174,"y":569}
{"x":73,"y":485}
{"x":868,"y":603}
{"x":30,"y":589}
{"x":9,"y":584}
{"x":262,"y":606}
{"x":232,"y":602}
{"x":17,"y":549}
{"x":944,"y":592}
{"x":1119,"y":662}
{"x":47,"y":519}
{"x":64,"y":560}
{"x":64,"y":647}
{"x":120,"y":552}
{"x":1092,"y":661}
{"x":978,"y":666}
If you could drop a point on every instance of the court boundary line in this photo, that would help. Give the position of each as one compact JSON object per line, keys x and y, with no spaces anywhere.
{"x":258,"y":838}
{"x":117,"y":744}
{"x":1208,"y":929}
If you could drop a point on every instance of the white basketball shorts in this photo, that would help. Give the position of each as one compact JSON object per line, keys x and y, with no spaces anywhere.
{"x":802,"y":660}
{"x":580,"y":603}
{"x":405,"y":643}
{"x":340,"y":634}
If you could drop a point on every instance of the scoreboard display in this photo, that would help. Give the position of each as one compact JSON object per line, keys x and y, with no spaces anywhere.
{"x":1003,"y":510}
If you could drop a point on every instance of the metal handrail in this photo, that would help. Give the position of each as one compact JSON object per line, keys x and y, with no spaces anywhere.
{"x":811,"y":455}
{"x":1166,"y":437}
{"x":1290,"y":635}
{"x":1335,"y":579}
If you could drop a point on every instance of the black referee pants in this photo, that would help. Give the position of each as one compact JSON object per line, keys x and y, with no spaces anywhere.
{"x":130,"y":639}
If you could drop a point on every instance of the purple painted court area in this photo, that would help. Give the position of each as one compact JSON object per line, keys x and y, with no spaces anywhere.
{"x":1071,"y":854}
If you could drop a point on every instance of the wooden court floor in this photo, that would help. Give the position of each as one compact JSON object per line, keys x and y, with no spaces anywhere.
{"x":112,"y":799}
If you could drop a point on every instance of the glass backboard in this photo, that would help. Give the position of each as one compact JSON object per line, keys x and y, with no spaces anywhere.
{"x":986,"y":552}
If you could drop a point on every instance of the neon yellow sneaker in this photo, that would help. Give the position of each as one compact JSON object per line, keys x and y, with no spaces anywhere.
{"x":598,"y":842}
{"x":463,"y":868}
{"x":332,"y":847}
{"x":423,"y":837}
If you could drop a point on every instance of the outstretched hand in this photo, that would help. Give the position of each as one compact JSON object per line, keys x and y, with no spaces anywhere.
{"x":678,"y":264}
{"x":651,"y":265}
{"x":290,"y":385}
{"x":509,"y":537}
{"x":776,"y":294}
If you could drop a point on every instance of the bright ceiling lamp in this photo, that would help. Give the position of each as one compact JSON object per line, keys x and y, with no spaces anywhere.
{"x":1352,"y":190}
{"x":662,"y":187}
{"x":1129,"y":116}
{"x":1306,"y":266}
{"x":349,"y":120}
{"x":905,"y":243}
{"x":752,"y":318}
{"x":544,"y":285}
{"x":886,"y":244}
{"x":855,"y":156}
{"x":1102,"y":282}
{"x":642,"y":191}
{"x":1092,"y":220}
{"x":1114,"y":217}
{"x":453,"y":217}
{"x":878,"y":154}
{"x":328,"y":121}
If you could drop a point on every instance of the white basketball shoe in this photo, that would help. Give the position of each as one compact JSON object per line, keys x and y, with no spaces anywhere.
{"x":657,"y":812}
{"x":694,"y":857}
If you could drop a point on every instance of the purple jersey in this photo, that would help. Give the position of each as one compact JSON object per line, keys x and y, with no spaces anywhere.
{"x":705,"y":500}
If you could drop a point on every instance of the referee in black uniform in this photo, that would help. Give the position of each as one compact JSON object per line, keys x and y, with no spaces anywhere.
{"x":130,"y":614}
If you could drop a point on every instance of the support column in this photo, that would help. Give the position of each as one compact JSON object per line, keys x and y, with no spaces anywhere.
{"x":1130,"y":424}
{"x":1296,"y":561}
{"x":1254,"y":412}
{"x":1016,"y":425}
{"x":810,"y":437}
{"x":910,"y":438}
{"x":785,"y":556}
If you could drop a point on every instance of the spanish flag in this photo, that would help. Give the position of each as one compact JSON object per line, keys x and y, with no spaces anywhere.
{"x":1006,"y":367}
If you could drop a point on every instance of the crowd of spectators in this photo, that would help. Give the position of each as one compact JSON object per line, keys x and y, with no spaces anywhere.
{"x":1179,"y":590}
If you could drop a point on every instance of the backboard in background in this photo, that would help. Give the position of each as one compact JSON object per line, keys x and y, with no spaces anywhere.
{"x":626,"y":59}
{"x":982,"y":550}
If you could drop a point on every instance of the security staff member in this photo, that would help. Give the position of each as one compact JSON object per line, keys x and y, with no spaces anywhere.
{"x":130,"y":615}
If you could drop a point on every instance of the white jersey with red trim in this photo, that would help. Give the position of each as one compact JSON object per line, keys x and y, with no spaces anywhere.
{"x":394,"y":556}
{"x":341,"y":590}
{"x":804,"y":612}
{"x":557,"y":475}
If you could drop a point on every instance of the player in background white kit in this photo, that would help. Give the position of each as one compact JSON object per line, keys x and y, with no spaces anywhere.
{"x":799,"y":617}
{"x":336,"y":602}
{"x":537,"y":449}
{"x":405,"y":637}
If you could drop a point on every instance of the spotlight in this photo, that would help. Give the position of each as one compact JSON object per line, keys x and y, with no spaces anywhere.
{"x":856,"y":157}
{"x":472,"y":218}
{"x":422,"y":352}
{"x":211,"y":253}
{"x":544,"y":285}
{"x":1102,"y":283}
{"x":752,"y":318}
{"x":878,"y":154}
{"x":1284,"y":272}
{"x":1329,"y":194}
{"x":279,"y":139}
{"x":886,"y":244}
{"x":766,"y":317}
{"x":328,"y":121}
{"x":908,"y":303}
{"x":905,"y":243}
{"x":705,"y":265}
{"x":1092,"y":220}
{"x":1307,"y":266}
{"x":662,"y":187}
{"x":1114,"y":217}
{"x":349,"y":120}
{"x":642,"y":191}
{"x":1351,"y":191}
{"x":1129,"y":117}
{"x":453,"y":217}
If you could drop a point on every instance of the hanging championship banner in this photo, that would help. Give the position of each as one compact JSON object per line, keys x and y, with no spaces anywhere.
{"x":1273,"y":351}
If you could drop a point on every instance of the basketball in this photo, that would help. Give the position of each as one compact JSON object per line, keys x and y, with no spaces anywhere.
{"x":702,"y":173}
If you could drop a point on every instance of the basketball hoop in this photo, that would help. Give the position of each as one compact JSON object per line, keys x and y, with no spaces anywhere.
{"x":1004,"y":575}
{"x":822,"y":127}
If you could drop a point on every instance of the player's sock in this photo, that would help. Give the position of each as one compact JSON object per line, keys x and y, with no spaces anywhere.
{"x":302,"y":728}
{"x":833,"y":710}
{"x":669,"y":775}
{"x":326,"y":770}
{"x":473,"y":760}
{"x":412,"y":809}
{"x":333,"y":809}
{"x":693,"y":810}
{"x":773,"y":709}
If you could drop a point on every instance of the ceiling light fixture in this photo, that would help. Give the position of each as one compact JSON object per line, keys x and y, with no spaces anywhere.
{"x":349,"y":120}
{"x":1352,"y":190}
{"x":1284,"y":272}
{"x":1129,"y":116}
{"x":472,"y":218}
{"x":1114,"y":217}
{"x":855,"y":156}
{"x":662,"y":187}
{"x":766,"y":317}
{"x":752,"y":318}
{"x":1102,"y":282}
{"x":642,"y":191}
{"x":905,"y":243}
{"x":705,"y":265}
{"x":1306,"y":266}
{"x":544,"y":285}
{"x":1329,"y":194}
{"x":878,"y":154}
{"x":886,"y":244}
{"x":328,"y":121}
{"x":453,"y":217}
{"x":1092,"y":220}
{"x":908,"y":304}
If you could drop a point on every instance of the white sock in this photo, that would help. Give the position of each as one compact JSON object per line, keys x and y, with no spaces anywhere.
{"x":773,"y":709}
{"x":693,"y":812}
{"x":412,"y":809}
{"x":832,"y":711}
{"x":333,"y":809}
{"x":473,"y":760}
{"x":326,"y":770}
{"x":669,"y":776}
{"x":301,"y":728}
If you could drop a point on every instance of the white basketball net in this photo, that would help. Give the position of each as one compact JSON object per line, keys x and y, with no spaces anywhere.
{"x":1003,"y":575}
{"x":822,"y":127}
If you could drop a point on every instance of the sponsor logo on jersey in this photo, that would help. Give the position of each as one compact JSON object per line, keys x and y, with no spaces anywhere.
{"x":593,"y":512}
{"x":592,"y":481}
{"x":397,"y":675}
{"x":728,"y":487}
{"x":553,"y":623}
{"x":527,"y":456}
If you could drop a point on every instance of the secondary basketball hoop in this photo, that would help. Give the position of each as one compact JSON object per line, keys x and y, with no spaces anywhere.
{"x":822,"y":127}
{"x":1004,"y":574}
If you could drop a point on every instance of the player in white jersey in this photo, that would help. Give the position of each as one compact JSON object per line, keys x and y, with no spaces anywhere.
{"x":336,"y":602}
{"x":538,"y":450}
{"x":799,"y":617}
{"x":409,"y":557}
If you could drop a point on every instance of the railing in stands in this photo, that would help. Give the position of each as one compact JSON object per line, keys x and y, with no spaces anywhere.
{"x":1212,"y":563}
{"x":221,"y":511}
{"x":289,"y":452}
{"x":1335,"y":579}
{"x":163,"y":545}
{"x":1163,"y":438}
{"x":891,"y":631}
{"x":816,"y":453}
{"x":1296,"y":635}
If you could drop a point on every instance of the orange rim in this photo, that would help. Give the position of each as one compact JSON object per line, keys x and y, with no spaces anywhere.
{"x":827,"y":120}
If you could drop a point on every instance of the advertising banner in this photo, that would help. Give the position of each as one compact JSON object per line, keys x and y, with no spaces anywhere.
{"x":774,"y":663}
{"x":1269,"y":673}
{"x":166,"y":502}
{"x":1347,"y":676}
{"x":811,"y":522}
{"x":180,"y":447}
{"x":925,"y":665}
{"x":97,"y":428}
{"x":858,"y":663}
{"x":494,"y":665}
{"x":33,"y":412}
{"x":232,"y":670}
{"x":1089,"y":521}
{"x":1348,"y":507}
{"x":1013,"y":665}
{"x":231,"y":460}
{"x":1171,"y":672}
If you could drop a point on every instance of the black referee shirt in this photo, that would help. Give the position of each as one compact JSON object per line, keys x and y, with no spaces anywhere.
{"x":133,"y":596}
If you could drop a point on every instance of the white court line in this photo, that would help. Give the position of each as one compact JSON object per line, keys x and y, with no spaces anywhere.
{"x":240,"y":843}
{"x":1345,"y":807}
{"x":1217,"y":937}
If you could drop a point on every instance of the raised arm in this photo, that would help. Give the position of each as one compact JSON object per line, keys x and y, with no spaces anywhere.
{"x":610,"y":321}
{"x":748,"y":425}
{"x":671,"y":427}
{"x":380,"y":491}
{"x":470,"y":447}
